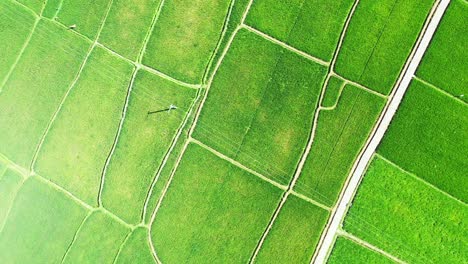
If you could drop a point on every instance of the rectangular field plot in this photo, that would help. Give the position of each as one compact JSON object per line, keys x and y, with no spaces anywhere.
{"x":87,"y":15}
{"x":16,"y":24}
{"x":445,"y":62}
{"x":75,"y":149}
{"x":313,"y":26}
{"x":379,"y":39}
{"x":136,"y":249}
{"x":143,"y":142}
{"x":340,"y":135}
{"x":233,"y":22}
{"x":405,"y":217}
{"x":3,"y":168}
{"x":428,"y":138}
{"x":127,"y":25}
{"x":35,"y":5}
{"x":165,"y":171}
{"x":51,"y":8}
{"x":294,"y":234}
{"x":185,"y":36}
{"x":97,"y":241}
{"x":10,"y":183}
{"x":41,"y":225}
{"x":333,"y":91}
{"x":213,"y":211}
{"x":346,"y":251}
{"x":33,"y":91}
{"x":260,"y":107}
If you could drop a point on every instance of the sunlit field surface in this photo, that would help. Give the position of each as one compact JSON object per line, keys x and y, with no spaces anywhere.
{"x":224,"y":131}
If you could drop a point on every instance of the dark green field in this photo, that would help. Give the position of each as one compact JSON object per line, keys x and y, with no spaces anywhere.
{"x":432,"y":153}
{"x":445,"y":63}
{"x":346,"y":251}
{"x":412,"y":220}
{"x":311,"y":26}
{"x":411,"y":203}
{"x":384,"y":43}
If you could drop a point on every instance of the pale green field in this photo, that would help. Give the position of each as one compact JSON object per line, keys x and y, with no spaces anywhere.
{"x":95,"y":244}
{"x":10,"y":182}
{"x":123,"y":31}
{"x":26,"y":102}
{"x":34,"y":5}
{"x":47,"y":221}
{"x":136,"y":249}
{"x":312,"y":26}
{"x":144,"y":140}
{"x":77,"y":145}
{"x":87,"y":15}
{"x":16,"y":24}
{"x":185,"y":37}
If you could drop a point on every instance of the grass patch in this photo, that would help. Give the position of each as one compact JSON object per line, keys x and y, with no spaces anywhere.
{"x":77,"y":145}
{"x":185,"y":36}
{"x":261,"y":120}
{"x":428,"y":138}
{"x":213,"y":212}
{"x":15,"y":26}
{"x":373,"y":54}
{"x":136,"y":249}
{"x":346,"y":251}
{"x":41,"y":225}
{"x":97,"y":241}
{"x":332,"y":92}
{"x":444,"y":63}
{"x":87,"y":15}
{"x":294,"y":234}
{"x":27,"y":101}
{"x":340,"y":135}
{"x":10,"y":183}
{"x":125,"y":28}
{"x":311,"y":26}
{"x":144,"y":140}
{"x":406,"y":218}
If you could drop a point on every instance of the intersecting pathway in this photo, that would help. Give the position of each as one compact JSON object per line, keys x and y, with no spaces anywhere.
{"x":350,"y":189}
{"x":338,"y":214}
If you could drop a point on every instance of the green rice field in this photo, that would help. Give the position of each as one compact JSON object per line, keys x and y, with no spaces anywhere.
{"x":411,"y":203}
{"x":226,"y":131}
